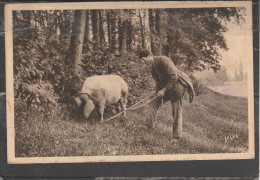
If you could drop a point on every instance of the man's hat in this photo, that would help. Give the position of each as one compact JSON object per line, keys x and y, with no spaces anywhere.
{"x":145,"y":53}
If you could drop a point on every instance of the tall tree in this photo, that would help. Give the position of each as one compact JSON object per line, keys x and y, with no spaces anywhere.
{"x":142,"y":25}
{"x":151,"y":27}
{"x":77,"y":37}
{"x":129,"y":34}
{"x":124,"y":31}
{"x":95,"y":29}
{"x":108,"y":15}
{"x":159,"y":39}
{"x":120,"y":34}
{"x":157,"y":21}
{"x":101,"y":30}
{"x":129,"y":29}
{"x":67,"y":21}
{"x":113,"y":30}
{"x":87,"y":33}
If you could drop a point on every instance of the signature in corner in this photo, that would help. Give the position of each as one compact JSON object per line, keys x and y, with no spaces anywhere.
{"x":231,"y":137}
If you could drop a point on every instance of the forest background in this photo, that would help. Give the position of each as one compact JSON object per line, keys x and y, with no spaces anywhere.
{"x":54,"y":50}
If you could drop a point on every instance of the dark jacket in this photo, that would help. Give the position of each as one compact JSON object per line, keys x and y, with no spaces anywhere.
{"x":164,"y":72}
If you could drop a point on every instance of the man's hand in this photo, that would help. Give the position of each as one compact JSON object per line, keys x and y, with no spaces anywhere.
{"x":161,"y":92}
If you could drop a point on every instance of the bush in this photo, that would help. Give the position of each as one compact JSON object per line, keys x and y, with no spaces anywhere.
{"x":43,"y":71}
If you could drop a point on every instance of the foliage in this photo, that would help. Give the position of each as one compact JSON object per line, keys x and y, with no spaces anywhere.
{"x":44,"y":63}
{"x":195,"y":35}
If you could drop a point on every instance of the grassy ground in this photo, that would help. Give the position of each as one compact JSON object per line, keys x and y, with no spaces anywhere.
{"x":213,"y":123}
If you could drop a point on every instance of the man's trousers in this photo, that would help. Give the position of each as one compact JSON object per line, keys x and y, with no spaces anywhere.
{"x":175,"y":96}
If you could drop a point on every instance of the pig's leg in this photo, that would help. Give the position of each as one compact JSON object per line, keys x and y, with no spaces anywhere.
{"x":123,"y":101}
{"x":101,"y":111}
{"x":102,"y":101}
{"x":89,"y":106}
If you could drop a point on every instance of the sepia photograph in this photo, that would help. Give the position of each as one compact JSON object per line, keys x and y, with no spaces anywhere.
{"x":129,"y":81}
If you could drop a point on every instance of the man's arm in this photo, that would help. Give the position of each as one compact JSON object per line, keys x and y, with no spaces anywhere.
{"x":171,"y":71}
{"x":155,"y":75}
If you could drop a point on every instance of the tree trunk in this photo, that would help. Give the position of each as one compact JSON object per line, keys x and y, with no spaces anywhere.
{"x":169,"y":40}
{"x":124,"y":30}
{"x":56,"y":20}
{"x":157,"y":21}
{"x":77,"y":37}
{"x":142,"y":30}
{"x":67,"y":22}
{"x":113,"y":32}
{"x":86,"y":38}
{"x":158,"y":47}
{"x":95,"y":30}
{"x":62,"y":27}
{"x":101,"y":30}
{"x":129,"y":35}
{"x":108,"y":28}
{"x":151,"y":27}
{"x":120,"y":35}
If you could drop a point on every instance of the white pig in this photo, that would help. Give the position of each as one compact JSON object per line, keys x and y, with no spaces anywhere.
{"x":102,"y":90}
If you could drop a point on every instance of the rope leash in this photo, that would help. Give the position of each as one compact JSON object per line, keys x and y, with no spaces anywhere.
{"x":150,"y":95}
{"x":131,"y":108}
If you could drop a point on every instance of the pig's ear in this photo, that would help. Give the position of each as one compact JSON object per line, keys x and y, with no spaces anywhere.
{"x":88,"y":108}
